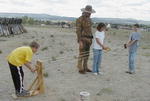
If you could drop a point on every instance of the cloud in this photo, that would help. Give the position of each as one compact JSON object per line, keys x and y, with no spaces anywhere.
{"x":137,"y":9}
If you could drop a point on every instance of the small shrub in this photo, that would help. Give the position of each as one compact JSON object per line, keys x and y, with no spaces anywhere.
{"x":62,"y":99}
{"x":36,"y":39}
{"x":75,"y":57}
{"x":53,"y":58}
{"x":1,"y":52}
{"x":61,"y":44}
{"x":44,"y":48}
{"x":146,"y":54}
{"x":45,"y":75}
{"x":42,"y":37}
{"x":71,"y":50}
{"x":146,"y":47}
{"x":114,"y":33}
{"x":2,"y":40}
{"x":33,"y":37}
{"x":61,"y":52}
{"x":105,"y":91}
{"x":109,"y":41}
{"x":51,"y":36}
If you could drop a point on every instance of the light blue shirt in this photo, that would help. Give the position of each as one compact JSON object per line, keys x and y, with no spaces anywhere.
{"x":134,"y":36}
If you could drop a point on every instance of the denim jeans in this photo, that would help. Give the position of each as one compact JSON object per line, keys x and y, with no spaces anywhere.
{"x":132,"y":57}
{"x":97,"y":57}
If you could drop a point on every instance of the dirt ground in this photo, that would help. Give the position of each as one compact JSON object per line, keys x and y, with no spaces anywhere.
{"x":59,"y":51}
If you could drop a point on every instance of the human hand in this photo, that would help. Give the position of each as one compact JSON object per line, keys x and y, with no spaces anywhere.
{"x":125,"y":46}
{"x":106,"y":48}
{"x":33,"y":70}
{"x":80,"y":44}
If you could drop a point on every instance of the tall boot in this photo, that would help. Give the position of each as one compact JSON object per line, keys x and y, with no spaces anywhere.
{"x":85,"y":64}
{"x":80,"y":62}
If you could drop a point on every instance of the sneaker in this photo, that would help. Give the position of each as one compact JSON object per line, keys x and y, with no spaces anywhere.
{"x":25,"y":91}
{"x":95,"y":74}
{"x":130,"y":72}
{"x":100,"y":73}
{"x":23,"y":94}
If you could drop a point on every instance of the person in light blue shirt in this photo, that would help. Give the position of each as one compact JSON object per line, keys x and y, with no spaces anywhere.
{"x":133,"y":46}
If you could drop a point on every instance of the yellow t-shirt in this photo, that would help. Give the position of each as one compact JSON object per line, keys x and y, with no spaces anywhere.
{"x":20,"y":56}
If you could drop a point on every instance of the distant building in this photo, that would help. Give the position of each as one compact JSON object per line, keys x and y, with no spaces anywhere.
{"x":124,"y":27}
{"x":43,"y":25}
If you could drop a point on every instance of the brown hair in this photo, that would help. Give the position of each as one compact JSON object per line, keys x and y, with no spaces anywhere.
{"x":100,"y":25}
{"x":136,"y":25}
{"x":34,"y":44}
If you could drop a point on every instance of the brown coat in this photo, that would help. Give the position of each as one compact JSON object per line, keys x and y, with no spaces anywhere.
{"x":83,"y":27}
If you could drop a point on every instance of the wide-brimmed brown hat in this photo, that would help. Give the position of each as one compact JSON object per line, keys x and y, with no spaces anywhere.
{"x":88,"y":8}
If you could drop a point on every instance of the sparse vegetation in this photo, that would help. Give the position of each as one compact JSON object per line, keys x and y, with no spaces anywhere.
{"x":25,"y":43}
{"x":32,"y":37}
{"x":114,"y":33}
{"x":2,"y":40}
{"x":1,"y":52}
{"x":75,"y":57}
{"x":71,"y":50}
{"x":36,"y":39}
{"x":64,"y":72}
{"x":61,"y":52}
{"x":145,"y":47}
{"x":53,"y":58}
{"x":61,"y":43}
{"x":109,"y":41}
{"x":44,"y":48}
{"x":105,"y":91}
{"x":146,"y":54}
{"x":45,"y":74}
{"x":62,"y":99}
{"x":42,"y":37}
{"x":51,"y":36}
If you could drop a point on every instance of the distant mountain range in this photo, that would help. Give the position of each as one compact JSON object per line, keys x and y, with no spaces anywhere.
{"x":62,"y":18}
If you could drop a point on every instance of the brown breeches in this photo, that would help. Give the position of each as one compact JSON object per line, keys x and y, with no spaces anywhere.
{"x":84,"y":51}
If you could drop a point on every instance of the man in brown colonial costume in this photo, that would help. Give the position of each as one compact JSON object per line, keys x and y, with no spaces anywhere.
{"x":84,"y":38}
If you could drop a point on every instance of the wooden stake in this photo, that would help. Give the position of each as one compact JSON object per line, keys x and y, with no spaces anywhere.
{"x":38,"y":83}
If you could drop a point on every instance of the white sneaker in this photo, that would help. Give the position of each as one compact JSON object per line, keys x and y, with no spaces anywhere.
{"x":101,"y":73}
{"x":95,"y":73}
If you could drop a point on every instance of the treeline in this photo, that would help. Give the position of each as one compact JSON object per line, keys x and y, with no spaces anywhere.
{"x":117,"y":26}
{"x":129,"y":25}
{"x":32,"y":21}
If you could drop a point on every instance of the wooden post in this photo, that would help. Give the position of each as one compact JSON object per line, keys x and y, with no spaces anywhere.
{"x":38,"y":83}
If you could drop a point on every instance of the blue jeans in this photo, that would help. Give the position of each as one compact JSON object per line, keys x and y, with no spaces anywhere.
{"x":97,"y":57}
{"x":132,"y":57}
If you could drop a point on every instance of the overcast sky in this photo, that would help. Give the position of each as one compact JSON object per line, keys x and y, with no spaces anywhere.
{"x":136,"y":9}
